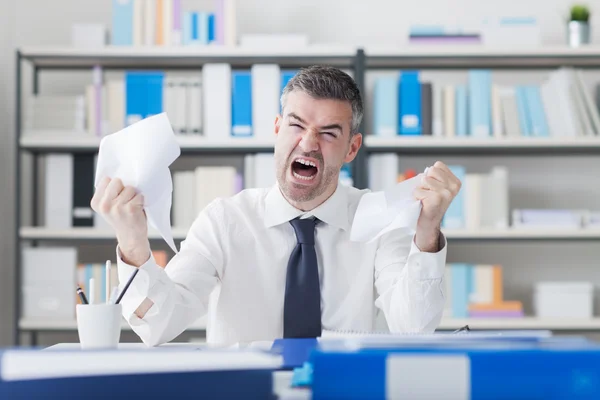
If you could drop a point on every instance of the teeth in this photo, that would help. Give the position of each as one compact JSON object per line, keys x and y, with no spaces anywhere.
{"x":304,"y":178}
{"x":306,"y":162}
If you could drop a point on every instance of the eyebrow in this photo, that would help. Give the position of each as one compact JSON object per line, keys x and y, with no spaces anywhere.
{"x":331,"y":126}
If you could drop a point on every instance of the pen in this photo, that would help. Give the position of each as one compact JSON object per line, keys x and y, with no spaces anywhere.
{"x":127,"y":285}
{"x":107,"y":281}
{"x":463,"y":329}
{"x":82,"y":297}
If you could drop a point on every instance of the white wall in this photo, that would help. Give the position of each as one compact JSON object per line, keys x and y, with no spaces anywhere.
{"x":40,"y":22}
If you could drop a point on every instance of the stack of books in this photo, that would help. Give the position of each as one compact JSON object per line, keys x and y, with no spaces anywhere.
{"x":215,"y":102}
{"x":442,"y":35}
{"x":561,"y":106}
{"x":55,"y":113}
{"x":165,"y":23}
{"x":476,"y":291}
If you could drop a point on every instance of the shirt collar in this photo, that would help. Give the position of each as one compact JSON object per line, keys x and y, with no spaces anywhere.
{"x":333,"y":211}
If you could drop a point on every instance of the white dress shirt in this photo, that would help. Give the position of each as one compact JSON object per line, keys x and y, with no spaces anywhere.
{"x":241,"y":245}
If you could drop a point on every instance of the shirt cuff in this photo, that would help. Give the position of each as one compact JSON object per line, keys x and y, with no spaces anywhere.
{"x":426,"y":266}
{"x":147,"y":284}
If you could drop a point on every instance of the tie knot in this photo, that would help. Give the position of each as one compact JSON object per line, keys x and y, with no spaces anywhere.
{"x":305,"y":230}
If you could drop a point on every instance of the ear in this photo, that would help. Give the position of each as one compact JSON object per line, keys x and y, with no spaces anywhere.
{"x":355,"y":144}
{"x":278,"y":121}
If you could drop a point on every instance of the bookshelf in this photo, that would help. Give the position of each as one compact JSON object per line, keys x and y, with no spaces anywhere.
{"x":359,"y":61}
{"x":185,"y":58}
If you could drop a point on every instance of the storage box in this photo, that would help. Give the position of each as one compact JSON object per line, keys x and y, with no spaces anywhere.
{"x":564,"y":299}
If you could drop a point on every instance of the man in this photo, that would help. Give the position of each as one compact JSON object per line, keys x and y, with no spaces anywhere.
{"x":282,"y":255}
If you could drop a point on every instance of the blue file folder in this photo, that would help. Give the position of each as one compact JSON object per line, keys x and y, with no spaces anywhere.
{"x":498,"y":369}
{"x":295,"y":352}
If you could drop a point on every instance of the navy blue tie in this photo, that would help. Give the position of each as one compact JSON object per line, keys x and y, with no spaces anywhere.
{"x":302,"y":306}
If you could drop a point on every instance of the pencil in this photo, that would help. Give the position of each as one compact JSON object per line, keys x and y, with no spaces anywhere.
{"x":127,"y":285}
{"x":82,"y":297}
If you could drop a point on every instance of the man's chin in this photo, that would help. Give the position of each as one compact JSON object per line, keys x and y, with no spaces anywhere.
{"x":300,"y":192}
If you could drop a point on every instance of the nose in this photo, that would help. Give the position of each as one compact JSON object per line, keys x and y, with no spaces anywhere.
{"x":309,"y":141}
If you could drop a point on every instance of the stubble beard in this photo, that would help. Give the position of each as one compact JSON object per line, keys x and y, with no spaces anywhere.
{"x":301,"y":193}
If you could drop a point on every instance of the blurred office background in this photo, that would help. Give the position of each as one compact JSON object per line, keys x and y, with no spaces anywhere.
{"x":503,"y":91}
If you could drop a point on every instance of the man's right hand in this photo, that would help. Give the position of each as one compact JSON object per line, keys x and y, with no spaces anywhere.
{"x":123,"y":209}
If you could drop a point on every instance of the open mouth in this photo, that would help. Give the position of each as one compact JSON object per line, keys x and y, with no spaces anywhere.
{"x":304,"y":169}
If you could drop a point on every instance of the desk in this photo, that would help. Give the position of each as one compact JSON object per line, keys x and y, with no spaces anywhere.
{"x":281,"y":379}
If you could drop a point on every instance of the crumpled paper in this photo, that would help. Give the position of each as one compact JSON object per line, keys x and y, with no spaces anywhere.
{"x":140,"y":155}
{"x":381,"y":212}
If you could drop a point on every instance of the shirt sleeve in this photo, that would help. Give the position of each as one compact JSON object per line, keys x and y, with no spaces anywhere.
{"x":409,"y":284}
{"x":180,"y":291}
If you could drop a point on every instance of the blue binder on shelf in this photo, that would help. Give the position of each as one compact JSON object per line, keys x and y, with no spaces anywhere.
{"x":409,"y":104}
{"x":241,"y":103}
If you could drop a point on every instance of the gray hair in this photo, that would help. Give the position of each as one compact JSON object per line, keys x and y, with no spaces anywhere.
{"x":324,"y":82}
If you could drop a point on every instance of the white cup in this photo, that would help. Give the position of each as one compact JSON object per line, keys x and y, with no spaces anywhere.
{"x":99,"y":325}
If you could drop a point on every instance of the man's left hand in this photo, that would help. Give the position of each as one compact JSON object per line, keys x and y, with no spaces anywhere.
{"x":436,"y":191}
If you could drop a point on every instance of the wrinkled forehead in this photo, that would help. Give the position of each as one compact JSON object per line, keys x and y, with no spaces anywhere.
{"x":318,"y":112}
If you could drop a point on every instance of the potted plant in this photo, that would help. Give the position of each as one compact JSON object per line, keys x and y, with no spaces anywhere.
{"x":579,"y":25}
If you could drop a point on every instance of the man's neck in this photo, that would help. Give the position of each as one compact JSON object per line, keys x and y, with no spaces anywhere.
{"x":311,"y":205}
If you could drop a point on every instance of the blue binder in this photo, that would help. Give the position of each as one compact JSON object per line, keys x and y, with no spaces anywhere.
{"x":154,"y":93}
{"x":211,"y":27}
{"x":213,"y":384}
{"x":497,"y":370}
{"x":241,"y":103}
{"x":409,"y":104}
{"x":184,"y":385}
{"x":135,"y":107}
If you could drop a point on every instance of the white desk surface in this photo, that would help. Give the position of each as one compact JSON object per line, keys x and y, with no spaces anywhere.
{"x":281,"y":379}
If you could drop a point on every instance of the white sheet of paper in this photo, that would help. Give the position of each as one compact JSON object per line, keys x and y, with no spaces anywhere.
{"x":140,"y":155}
{"x":381,"y":212}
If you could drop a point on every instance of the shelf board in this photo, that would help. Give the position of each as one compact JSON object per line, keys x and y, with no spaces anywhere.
{"x":60,"y":141}
{"x":575,"y":324}
{"x":53,"y":324}
{"x":423,"y":144}
{"x":549,"y":233}
{"x":186,"y":56}
{"x":480,"y":56}
{"x":80,"y":233}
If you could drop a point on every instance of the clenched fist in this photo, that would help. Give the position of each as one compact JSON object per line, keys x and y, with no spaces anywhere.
{"x":438,"y":189}
{"x":123,"y":209}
